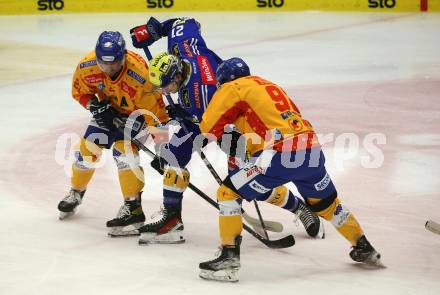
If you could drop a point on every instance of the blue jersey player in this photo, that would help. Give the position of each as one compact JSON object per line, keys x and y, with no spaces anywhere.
{"x":189,"y":70}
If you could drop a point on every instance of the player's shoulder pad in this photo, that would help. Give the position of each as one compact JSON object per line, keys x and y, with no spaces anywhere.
{"x":186,"y":21}
{"x":136,"y":67}
{"x":88,"y":61}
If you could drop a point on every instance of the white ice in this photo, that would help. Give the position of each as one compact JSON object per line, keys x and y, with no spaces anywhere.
{"x":348,"y":73}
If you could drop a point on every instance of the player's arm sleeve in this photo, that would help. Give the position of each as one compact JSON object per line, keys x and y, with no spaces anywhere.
{"x":167,"y":26}
{"x":223,"y":109}
{"x":153,"y":103}
{"x":190,"y":29}
{"x":81,"y":92}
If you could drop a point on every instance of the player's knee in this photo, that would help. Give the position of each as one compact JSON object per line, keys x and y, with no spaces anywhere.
{"x":125,"y":156}
{"x":329,"y":208}
{"x":278,"y":196}
{"x":176,"y":179}
{"x":224,"y":193}
{"x":87,"y":154}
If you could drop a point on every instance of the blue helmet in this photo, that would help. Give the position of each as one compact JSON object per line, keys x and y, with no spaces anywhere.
{"x":110,"y":46}
{"x":231,"y":69}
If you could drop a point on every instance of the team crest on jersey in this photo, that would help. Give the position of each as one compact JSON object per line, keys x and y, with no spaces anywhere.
{"x":208,"y":76}
{"x":295,"y":124}
{"x":176,"y":50}
{"x":101,"y":86}
{"x":185,"y":98}
{"x":136,"y":76}
{"x":87,"y":64}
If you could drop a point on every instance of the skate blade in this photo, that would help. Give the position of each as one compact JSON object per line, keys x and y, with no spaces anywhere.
{"x":64,"y":215}
{"x":321,"y":232}
{"x":374,"y":261}
{"x":125,"y":231}
{"x":174,"y":237}
{"x":224,"y":275}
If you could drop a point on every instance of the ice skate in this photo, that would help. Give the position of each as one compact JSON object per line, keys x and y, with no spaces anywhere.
{"x":128,"y":221}
{"x":312,"y":223}
{"x":225,"y":267}
{"x":67,"y":206}
{"x":365,"y":253}
{"x":168,"y":230}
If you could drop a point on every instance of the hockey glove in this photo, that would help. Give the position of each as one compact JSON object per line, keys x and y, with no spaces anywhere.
{"x":177,"y":113}
{"x":145,"y":35}
{"x":158,"y":164}
{"x":134,"y":124}
{"x":102,"y":112}
{"x":232,"y":143}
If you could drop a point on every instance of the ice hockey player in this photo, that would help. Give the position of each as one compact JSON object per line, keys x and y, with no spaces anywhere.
{"x":110,"y":82}
{"x":189,"y":70}
{"x":288,"y":151}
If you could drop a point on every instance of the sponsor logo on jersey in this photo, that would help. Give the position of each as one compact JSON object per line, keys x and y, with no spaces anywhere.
{"x":87,"y":64}
{"x":94,"y":78}
{"x":323,"y":183}
{"x":196,"y":89}
{"x":185,"y":98}
{"x":208,"y":76}
{"x":130,"y":90}
{"x":258,"y":187}
{"x":252,"y":170}
{"x":176,"y":50}
{"x":286,"y":115}
{"x":136,"y":76}
{"x":187,"y":48}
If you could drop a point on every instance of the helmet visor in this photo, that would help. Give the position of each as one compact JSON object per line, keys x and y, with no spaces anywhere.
{"x":111,"y":68}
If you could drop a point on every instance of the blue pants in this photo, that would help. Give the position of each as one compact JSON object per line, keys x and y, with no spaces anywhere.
{"x":270,"y":169}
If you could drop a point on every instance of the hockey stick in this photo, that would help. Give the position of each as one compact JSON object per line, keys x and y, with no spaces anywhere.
{"x":433,"y":226}
{"x":285,"y":242}
{"x":262,"y":226}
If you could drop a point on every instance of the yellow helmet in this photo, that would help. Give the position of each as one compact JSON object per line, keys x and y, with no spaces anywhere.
{"x":163,"y":69}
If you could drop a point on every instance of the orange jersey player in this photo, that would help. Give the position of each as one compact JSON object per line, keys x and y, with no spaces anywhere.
{"x":112,"y":82}
{"x":284,"y":150}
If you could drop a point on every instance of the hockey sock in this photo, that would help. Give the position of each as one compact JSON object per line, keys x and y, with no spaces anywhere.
{"x":342,"y":219}
{"x":230,"y":223}
{"x":83,"y":168}
{"x":131,"y":175}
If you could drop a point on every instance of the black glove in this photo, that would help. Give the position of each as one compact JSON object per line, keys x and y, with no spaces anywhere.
{"x":232,"y":143}
{"x":158,"y":164}
{"x":145,"y":35}
{"x":177,"y":113}
{"x":134,"y":123}
{"x":102,"y":112}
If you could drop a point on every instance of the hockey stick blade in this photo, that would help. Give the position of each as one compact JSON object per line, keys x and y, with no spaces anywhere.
{"x":433,"y":227}
{"x":286,"y":242}
{"x":272,"y":226}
